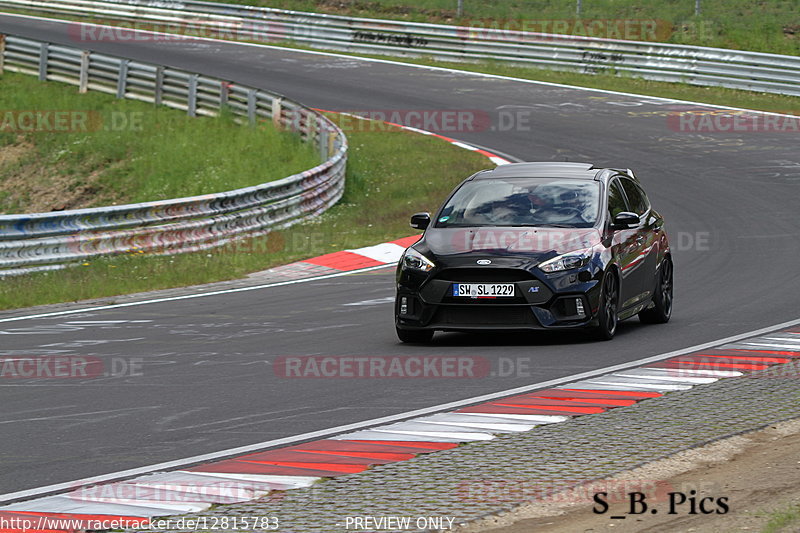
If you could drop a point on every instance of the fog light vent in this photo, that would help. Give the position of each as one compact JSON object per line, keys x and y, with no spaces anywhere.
{"x":579,"y":307}
{"x":403,"y":305}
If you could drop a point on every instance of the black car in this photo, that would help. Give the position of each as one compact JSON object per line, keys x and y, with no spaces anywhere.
{"x":531,"y":246}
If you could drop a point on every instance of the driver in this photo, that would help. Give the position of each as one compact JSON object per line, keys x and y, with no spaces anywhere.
{"x":554,"y":205}
{"x":540,"y":201}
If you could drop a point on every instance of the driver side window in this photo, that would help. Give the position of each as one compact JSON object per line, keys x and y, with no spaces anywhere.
{"x":616,"y":199}
{"x":636,"y":197}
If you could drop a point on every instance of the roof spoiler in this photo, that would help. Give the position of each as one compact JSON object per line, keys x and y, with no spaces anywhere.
{"x":626,"y":171}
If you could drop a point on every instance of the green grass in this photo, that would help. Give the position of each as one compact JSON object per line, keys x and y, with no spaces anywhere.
{"x":767,"y":25}
{"x":391,"y":174}
{"x":122,"y":151}
{"x":782,"y":520}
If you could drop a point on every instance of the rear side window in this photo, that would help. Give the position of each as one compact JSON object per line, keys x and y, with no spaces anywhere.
{"x":616,"y":199}
{"x":636,"y":197}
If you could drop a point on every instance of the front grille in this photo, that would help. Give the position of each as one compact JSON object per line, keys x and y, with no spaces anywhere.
{"x":487,"y":275}
{"x":484,"y":316}
{"x":460,"y":300}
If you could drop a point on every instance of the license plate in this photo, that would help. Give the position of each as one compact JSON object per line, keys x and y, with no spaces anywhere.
{"x":483,"y":290}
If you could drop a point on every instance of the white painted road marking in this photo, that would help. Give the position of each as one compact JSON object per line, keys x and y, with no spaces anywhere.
{"x":376,"y":301}
{"x":190,"y":296}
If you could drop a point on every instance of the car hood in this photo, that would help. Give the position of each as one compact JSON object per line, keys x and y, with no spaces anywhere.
{"x":524,"y":245}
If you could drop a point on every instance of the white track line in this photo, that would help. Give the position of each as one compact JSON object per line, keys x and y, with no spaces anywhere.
{"x":326,"y":433}
{"x":195,"y":295}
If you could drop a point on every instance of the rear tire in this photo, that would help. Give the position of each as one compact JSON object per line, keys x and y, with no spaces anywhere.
{"x":661,"y":311}
{"x":414,"y":336}
{"x":609,"y":308}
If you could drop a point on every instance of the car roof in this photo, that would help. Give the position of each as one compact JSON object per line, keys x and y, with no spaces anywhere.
{"x":548,"y":169}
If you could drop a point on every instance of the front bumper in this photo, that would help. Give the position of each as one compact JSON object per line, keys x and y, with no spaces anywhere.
{"x":564,"y":300}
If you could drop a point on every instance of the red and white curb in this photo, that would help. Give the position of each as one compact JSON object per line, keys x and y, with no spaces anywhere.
{"x":494,"y":158}
{"x":387,"y":253}
{"x":255,"y":475}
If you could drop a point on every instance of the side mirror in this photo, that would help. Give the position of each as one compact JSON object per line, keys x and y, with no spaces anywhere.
{"x":420,"y":220}
{"x":625,"y":219}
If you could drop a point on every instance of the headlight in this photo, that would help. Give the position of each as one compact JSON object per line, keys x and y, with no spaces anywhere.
{"x":413,"y":260}
{"x":566,"y":261}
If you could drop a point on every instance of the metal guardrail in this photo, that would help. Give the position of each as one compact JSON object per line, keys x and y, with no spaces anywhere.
{"x":45,"y":241}
{"x":653,"y":61}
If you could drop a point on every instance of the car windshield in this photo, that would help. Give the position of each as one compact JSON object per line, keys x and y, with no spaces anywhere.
{"x":554,"y":202}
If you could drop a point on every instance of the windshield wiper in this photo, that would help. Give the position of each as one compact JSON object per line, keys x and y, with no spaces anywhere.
{"x":504,"y":226}
{"x":552,"y":226}
{"x":440,"y":225}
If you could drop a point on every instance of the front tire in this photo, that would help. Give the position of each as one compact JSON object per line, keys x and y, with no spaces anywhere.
{"x":609,"y":308}
{"x":661,"y":311}
{"x":414,"y":336}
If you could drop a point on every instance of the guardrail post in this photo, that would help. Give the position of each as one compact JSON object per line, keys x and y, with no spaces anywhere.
{"x":311,"y":128}
{"x":2,"y":52}
{"x":44,"y":50}
{"x":224,"y":94}
{"x":83,"y":79}
{"x":332,"y":139}
{"x":122,"y":79}
{"x":277,"y":110}
{"x":251,"y":106}
{"x":324,"y":145}
{"x":191,"y":101}
{"x":158,"y":90}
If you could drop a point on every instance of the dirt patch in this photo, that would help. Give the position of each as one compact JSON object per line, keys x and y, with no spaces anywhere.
{"x":9,"y":155}
{"x":30,"y":185}
{"x":757,"y":473}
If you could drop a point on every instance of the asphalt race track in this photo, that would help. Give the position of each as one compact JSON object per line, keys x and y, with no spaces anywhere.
{"x":204,"y":379}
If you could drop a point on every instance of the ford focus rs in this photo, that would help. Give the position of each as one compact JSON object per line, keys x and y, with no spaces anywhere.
{"x":530,"y":246}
